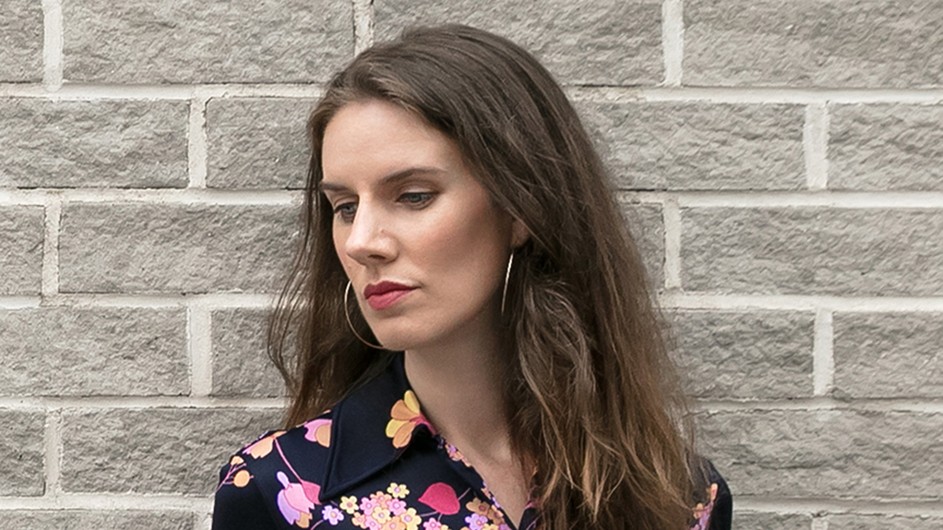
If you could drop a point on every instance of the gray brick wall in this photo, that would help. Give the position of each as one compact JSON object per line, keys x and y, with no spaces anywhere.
{"x":780,"y":163}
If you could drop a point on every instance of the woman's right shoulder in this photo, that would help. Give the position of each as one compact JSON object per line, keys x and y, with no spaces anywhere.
{"x":251,"y":480}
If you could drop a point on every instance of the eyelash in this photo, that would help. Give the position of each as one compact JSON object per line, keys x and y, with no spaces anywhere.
{"x":424,"y":198}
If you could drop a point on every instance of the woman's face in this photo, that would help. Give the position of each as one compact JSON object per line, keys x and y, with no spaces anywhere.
{"x":423,"y":245}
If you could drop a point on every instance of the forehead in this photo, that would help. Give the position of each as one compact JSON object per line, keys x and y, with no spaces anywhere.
{"x":373,"y":138}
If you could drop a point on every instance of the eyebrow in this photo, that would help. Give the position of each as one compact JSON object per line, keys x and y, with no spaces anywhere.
{"x":387,"y":180}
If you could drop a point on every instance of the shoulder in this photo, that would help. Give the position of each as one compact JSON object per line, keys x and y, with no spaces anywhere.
{"x":714,"y":508}
{"x":277,"y":467}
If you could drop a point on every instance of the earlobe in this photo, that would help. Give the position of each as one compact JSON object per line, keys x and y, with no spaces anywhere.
{"x":519,"y":233}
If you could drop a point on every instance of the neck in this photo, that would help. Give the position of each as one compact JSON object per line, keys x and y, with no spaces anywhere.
{"x":459,"y":385}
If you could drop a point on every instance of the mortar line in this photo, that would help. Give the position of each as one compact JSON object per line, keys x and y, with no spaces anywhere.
{"x":364,"y":21}
{"x":823,"y":354}
{"x":108,"y":501}
{"x":50,"y":260}
{"x":672,"y":38}
{"x":39,"y":403}
{"x":672,"y":222}
{"x":833,"y":506}
{"x":250,"y":197}
{"x":819,"y":523}
{"x":864,"y":304}
{"x":52,"y":45}
{"x":155,"y":301}
{"x":811,"y":404}
{"x":815,"y":146}
{"x":196,"y":144}
{"x":53,"y":453}
{"x":199,"y":345}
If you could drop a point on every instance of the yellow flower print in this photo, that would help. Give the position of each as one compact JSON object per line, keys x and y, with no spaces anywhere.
{"x":349,"y":504}
{"x":398,"y":491}
{"x":404,"y":417}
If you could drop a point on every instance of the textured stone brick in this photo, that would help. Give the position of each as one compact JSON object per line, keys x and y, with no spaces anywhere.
{"x":613,"y":42}
{"x":241,"y":366}
{"x":156,"y":450}
{"x":257,"y":143}
{"x":771,"y":521}
{"x":647,"y":225}
{"x":888,"y":354}
{"x":852,"y":454}
{"x":21,"y":444}
{"x":194,"y":41}
{"x":65,"y":144}
{"x":755,"y":354}
{"x":699,"y":146}
{"x":96,"y":520}
{"x":21,"y":238}
{"x":21,"y":41}
{"x":883,"y":522}
{"x":174,"y":247}
{"x":58,"y":351}
{"x":866,"y":43}
{"x":812,"y":251}
{"x":885,"y":147}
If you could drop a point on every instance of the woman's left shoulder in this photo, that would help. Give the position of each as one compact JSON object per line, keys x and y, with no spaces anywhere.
{"x":714,"y":508}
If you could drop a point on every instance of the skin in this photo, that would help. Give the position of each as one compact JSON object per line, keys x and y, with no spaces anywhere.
{"x":408,"y":210}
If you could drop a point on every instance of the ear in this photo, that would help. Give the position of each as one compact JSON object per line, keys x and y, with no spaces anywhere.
{"x":519,"y":233}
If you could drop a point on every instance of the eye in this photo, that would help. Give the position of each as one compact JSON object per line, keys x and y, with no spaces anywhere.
{"x":346,"y":211}
{"x":416,"y":198}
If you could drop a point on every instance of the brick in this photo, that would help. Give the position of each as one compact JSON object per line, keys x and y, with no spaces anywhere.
{"x":257,"y":143}
{"x":615,"y":42}
{"x":865,"y":43}
{"x":883,"y":522}
{"x":154,"y":451}
{"x":21,"y":238}
{"x":21,"y":444}
{"x":191,"y":41}
{"x":137,"y":248}
{"x":692,"y":146}
{"x":846,"y":453}
{"x":241,"y":366}
{"x":93,"y":352}
{"x":738,"y":354}
{"x":771,"y":521}
{"x":96,"y":520}
{"x":812,"y":250}
{"x":646,"y":222}
{"x":21,"y":42}
{"x":888,"y":355}
{"x":885,"y":147}
{"x":68,"y":144}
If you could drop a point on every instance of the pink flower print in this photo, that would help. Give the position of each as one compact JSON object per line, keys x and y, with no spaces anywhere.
{"x":441,"y":498}
{"x":367,"y":505}
{"x":319,"y":431}
{"x":263,"y":445}
{"x":476,"y":521}
{"x":294,"y":503}
{"x":332,"y":515}
{"x":433,"y":524}
{"x":397,"y":506}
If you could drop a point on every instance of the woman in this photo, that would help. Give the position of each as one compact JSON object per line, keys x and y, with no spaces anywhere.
{"x":476,"y":344}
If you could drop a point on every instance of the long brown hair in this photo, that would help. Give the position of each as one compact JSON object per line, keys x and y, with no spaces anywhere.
{"x":593,"y":397}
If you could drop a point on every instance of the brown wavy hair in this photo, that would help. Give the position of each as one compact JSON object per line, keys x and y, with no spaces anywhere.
{"x":593,"y":397}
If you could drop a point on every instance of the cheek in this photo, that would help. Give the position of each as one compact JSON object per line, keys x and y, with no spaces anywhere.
{"x":466,"y":245}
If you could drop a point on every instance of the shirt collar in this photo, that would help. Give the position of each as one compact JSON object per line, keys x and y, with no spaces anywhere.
{"x":371,"y":428}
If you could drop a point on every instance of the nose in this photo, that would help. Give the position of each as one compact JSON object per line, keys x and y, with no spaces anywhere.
{"x":367,"y":240}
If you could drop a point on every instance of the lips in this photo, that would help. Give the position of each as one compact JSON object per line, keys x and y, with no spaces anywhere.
{"x":384,"y":294}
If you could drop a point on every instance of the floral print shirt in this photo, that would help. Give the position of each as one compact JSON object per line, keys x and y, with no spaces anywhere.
{"x":374,"y":462}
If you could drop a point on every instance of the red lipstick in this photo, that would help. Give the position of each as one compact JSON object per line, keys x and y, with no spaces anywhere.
{"x":384,"y":294}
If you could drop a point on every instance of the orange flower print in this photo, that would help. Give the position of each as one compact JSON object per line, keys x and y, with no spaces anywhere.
{"x":263,"y":445}
{"x":319,"y":431}
{"x":404,"y":417}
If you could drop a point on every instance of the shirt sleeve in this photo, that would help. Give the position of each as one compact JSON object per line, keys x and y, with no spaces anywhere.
{"x":239,"y":504}
{"x":721,"y":517}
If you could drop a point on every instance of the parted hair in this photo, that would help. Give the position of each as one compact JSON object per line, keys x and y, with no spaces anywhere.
{"x":593,"y":396}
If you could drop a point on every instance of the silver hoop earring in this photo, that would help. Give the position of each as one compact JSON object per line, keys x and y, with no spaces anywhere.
{"x":507,"y":276}
{"x":351,"y":324}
